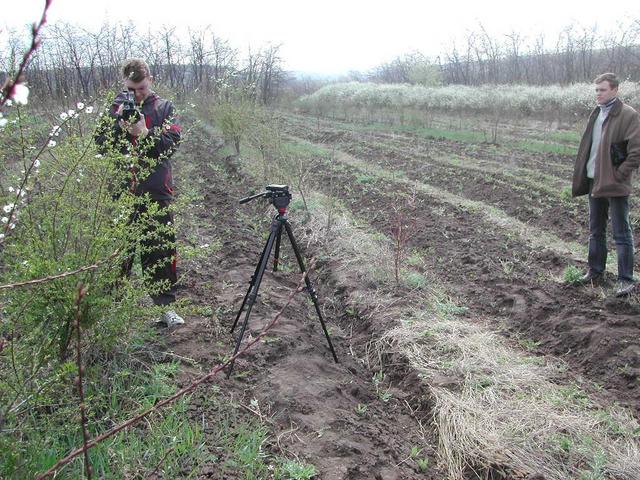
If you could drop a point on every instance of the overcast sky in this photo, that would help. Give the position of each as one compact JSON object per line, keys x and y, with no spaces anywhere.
{"x":334,"y":36}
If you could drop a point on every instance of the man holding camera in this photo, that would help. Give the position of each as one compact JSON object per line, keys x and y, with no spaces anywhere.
{"x":143,"y":126}
{"x":608,"y":154}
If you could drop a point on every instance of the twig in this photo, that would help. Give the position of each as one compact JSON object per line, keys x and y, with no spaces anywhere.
{"x":9,"y":87}
{"x":164,"y":458}
{"x":62,"y":275}
{"x":82,"y":292}
{"x":180,"y":393}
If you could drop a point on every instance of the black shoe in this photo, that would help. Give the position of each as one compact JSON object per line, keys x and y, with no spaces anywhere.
{"x":625,"y":288}
{"x":591,"y":278}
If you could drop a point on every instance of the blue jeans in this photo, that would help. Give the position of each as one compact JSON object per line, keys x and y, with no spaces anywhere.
{"x":599,"y":209}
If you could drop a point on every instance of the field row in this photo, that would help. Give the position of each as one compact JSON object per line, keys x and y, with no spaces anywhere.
{"x":500,"y":274}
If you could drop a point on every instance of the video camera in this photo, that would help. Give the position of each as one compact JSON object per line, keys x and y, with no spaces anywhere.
{"x":278,"y":194}
{"x":130,"y":111}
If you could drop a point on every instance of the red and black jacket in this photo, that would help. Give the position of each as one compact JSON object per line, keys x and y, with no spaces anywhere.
{"x":159,"y":144}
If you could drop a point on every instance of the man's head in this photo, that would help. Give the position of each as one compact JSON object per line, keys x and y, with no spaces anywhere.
{"x":137,"y":78}
{"x":606,"y":87}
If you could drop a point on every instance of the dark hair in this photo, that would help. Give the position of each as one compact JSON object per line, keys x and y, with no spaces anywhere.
{"x":135,"y":69}
{"x":608,"y":77}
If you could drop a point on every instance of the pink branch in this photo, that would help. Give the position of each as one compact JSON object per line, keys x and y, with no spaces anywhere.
{"x":82,"y":292}
{"x":62,"y":275}
{"x":9,"y":87}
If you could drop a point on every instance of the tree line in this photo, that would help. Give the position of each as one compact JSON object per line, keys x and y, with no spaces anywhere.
{"x":578,"y":54}
{"x":74,"y":61}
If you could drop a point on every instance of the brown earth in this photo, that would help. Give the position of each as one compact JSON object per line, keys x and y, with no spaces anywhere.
{"x":506,"y":279}
{"x":522,"y":195}
{"x":289,"y":382}
{"x":306,"y":400}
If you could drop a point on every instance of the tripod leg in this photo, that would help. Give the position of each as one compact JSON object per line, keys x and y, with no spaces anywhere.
{"x":251,"y":283}
{"x":310,"y":289}
{"x":276,"y":256}
{"x":253,"y":292}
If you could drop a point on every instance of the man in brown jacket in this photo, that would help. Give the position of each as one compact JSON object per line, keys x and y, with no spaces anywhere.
{"x":609,"y":153}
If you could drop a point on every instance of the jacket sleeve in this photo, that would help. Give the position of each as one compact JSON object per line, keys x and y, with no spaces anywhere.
{"x":631,"y":135}
{"x":165,"y":138}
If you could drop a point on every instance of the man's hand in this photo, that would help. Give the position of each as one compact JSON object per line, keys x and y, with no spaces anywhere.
{"x":138,"y":129}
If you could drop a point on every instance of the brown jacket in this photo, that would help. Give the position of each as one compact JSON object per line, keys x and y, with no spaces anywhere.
{"x":622,"y":124}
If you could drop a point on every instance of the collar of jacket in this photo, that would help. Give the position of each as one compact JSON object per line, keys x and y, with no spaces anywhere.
{"x":617,"y":106}
{"x":615,"y":110}
{"x":150,"y":99}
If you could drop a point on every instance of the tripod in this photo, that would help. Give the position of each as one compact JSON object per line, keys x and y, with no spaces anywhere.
{"x":280,"y":198}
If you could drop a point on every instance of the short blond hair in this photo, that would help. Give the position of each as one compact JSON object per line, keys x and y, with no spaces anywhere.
{"x":608,"y":77}
{"x":135,"y":69}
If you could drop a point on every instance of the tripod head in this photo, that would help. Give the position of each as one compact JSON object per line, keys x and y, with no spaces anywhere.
{"x":279,"y":196}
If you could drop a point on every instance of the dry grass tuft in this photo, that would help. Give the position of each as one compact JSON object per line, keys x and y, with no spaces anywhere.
{"x":500,"y":407}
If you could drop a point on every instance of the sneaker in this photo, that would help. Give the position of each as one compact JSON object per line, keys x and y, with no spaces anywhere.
{"x":171,"y":319}
{"x":625,"y":288}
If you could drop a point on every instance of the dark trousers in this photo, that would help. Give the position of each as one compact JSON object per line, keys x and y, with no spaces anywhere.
{"x":156,"y":239}
{"x":599,"y":209}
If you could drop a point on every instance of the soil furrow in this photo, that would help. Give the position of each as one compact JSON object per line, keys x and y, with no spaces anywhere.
{"x":504,"y":278}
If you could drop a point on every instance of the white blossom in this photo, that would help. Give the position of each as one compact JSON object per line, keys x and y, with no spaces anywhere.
{"x":36,"y":163}
{"x":12,"y":226}
{"x":89,"y":109}
{"x":206,"y":245}
{"x":64,"y":115}
{"x":3,"y":122}
{"x":1,"y":236}
{"x":98,"y":155}
{"x":80,"y":105}
{"x":4,"y":219}
{"x":11,"y":189}
{"x":8,"y":208}
{"x":20,"y":94}
{"x":52,"y":143}
{"x":23,"y":193}
{"x":71,"y":113}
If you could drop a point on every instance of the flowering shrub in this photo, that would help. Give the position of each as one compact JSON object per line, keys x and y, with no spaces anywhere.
{"x":508,"y":100}
{"x":62,"y":210}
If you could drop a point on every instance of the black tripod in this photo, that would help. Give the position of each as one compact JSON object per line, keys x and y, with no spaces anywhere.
{"x":280,"y":198}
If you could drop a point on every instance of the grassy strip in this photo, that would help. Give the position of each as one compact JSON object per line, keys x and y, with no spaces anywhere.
{"x":553,"y":143}
{"x":554,"y":186}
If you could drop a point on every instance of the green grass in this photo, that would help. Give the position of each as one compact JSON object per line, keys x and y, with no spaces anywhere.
{"x":304,"y":149}
{"x":245,"y":447}
{"x":121,"y":393}
{"x":544,"y":147}
{"x":469,"y":136}
{"x":556,"y":144}
{"x":365,"y":179}
{"x":571,"y":274}
{"x":565,"y":136}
